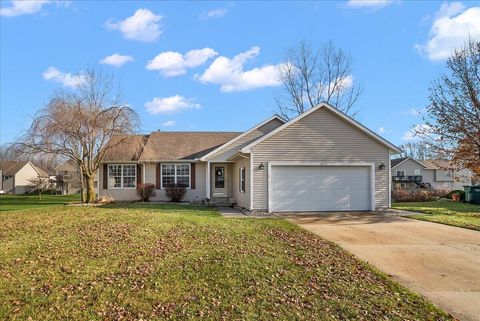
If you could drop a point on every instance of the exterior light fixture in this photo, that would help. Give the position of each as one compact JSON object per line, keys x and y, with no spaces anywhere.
{"x":261,"y":167}
{"x":382,"y":166}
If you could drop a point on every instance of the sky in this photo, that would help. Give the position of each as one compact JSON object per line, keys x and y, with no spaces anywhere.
{"x":213,"y":66}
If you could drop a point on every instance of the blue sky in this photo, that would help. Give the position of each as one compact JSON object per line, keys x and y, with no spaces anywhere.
{"x":212,"y":65}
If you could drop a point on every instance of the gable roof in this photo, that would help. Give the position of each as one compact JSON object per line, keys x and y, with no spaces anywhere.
{"x":41,"y":172}
{"x":127,"y":147}
{"x":12,"y":167}
{"x":343,"y":116}
{"x":183,"y":145}
{"x":398,"y":161}
{"x":266,"y":121}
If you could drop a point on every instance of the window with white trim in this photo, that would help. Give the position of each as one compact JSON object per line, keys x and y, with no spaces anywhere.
{"x":417,"y":172}
{"x":401,"y":173}
{"x":242,"y":180}
{"x":178,"y":174}
{"x":122,"y":175}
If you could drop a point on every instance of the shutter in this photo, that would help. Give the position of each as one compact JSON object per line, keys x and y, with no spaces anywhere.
{"x":139,"y":174}
{"x":192,"y":176}
{"x":105,"y":176}
{"x":157,"y":176}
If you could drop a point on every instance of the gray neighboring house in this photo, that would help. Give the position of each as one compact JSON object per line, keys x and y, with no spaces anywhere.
{"x":410,"y":174}
{"x":15,"y":176}
{"x":68,"y":178}
{"x":321,"y":160}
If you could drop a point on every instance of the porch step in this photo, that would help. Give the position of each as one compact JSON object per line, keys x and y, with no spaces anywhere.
{"x":222,"y":201}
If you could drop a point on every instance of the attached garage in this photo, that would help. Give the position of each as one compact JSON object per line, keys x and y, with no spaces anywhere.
{"x":315,"y":187}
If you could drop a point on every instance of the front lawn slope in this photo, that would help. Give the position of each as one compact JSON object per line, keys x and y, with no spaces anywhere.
{"x":444,"y":212}
{"x":180,"y":263}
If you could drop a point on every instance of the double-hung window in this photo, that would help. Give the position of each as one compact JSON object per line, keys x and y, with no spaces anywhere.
{"x":122,"y":175}
{"x":242,"y":180}
{"x":178,"y":174}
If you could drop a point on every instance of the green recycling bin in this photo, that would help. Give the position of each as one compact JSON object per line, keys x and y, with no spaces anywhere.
{"x":472,"y":194}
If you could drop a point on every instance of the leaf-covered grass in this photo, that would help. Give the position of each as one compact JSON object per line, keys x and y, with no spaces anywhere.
{"x":185,"y":262}
{"x":445,"y":212}
{"x":10,"y":202}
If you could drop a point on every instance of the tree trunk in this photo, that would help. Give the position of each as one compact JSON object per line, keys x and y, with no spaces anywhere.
{"x":90,"y":192}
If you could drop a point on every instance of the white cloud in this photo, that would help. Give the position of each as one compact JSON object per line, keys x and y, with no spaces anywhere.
{"x":417,"y":132}
{"x":229,"y":73}
{"x":143,"y":26}
{"x":170,"y":105}
{"x":66,"y":79}
{"x":369,"y":4}
{"x":116,"y":60}
{"x":216,"y":13}
{"x":382,"y":130}
{"x":172,"y":63}
{"x":169,"y":123}
{"x":452,"y":26}
{"x":21,"y":7}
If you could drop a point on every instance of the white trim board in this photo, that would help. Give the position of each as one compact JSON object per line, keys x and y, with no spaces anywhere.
{"x":322,"y":164}
{"x":205,"y":157}
{"x":247,"y":149}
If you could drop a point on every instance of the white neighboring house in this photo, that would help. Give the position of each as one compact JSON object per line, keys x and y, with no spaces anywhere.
{"x":15,"y":176}
{"x":410,"y":174}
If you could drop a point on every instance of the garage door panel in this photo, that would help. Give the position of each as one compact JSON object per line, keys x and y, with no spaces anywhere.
{"x":317,"y":188}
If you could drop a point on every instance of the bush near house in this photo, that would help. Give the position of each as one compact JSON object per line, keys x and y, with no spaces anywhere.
{"x":417,"y":196}
{"x":145,"y":191}
{"x":175,"y":192}
{"x":457,"y":191}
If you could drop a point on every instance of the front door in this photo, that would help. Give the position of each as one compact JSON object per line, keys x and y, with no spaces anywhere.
{"x":219,"y":186}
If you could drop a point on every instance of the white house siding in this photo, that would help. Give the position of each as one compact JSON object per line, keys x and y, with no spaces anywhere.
{"x":320,"y":137}
{"x":22,"y":178}
{"x":243,"y":199}
{"x":409,"y":166}
{"x":225,"y":152}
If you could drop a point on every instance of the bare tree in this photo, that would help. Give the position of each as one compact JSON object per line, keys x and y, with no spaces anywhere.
{"x":452,"y":120}
{"x":418,"y":150}
{"x":311,"y":76}
{"x":39,"y":184}
{"x":79,"y":125}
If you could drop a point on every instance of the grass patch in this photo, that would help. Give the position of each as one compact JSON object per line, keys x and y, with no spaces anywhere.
{"x":10,"y":202}
{"x":445,"y":212}
{"x":185,"y":262}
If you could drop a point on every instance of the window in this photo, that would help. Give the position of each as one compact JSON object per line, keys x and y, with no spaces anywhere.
{"x":401,"y":173}
{"x":176,"y":174}
{"x":242,"y":180}
{"x":220,"y":177}
{"x":122,"y":176}
{"x":417,"y":172}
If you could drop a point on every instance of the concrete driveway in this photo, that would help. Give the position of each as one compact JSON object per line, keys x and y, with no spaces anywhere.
{"x":439,"y":261}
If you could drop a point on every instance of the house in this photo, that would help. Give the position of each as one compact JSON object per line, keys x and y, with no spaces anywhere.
{"x":322,"y":160}
{"x":410,"y":174}
{"x":15,"y":176}
{"x":68,"y":178}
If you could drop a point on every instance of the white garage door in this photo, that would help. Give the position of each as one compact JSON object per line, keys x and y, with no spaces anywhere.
{"x":317,"y":188}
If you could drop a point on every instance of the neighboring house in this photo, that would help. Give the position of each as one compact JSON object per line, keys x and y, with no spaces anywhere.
{"x":16,"y":176}
{"x":410,"y":174}
{"x":68,"y":179}
{"x":321,"y":160}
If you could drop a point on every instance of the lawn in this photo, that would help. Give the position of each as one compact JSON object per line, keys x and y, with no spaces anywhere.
{"x":445,"y":212}
{"x":23,"y":202}
{"x":185,"y":262}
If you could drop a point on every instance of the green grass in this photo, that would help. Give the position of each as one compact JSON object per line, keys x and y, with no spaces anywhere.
{"x":445,"y":212}
{"x":23,"y":202}
{"x":185,"y":262}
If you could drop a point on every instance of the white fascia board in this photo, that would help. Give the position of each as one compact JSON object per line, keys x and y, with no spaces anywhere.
{"x":348,"y":119}
{"x":205,"y":157}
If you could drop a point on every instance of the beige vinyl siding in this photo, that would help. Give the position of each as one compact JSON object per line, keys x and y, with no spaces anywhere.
{"x":197,"y":194}
{"x":22,"y":178}
{"x":225,"y":152}
{"x":242,"y":198}
{"x":321,"y":136}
